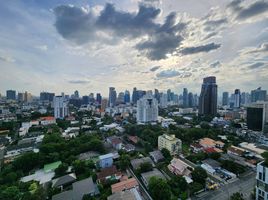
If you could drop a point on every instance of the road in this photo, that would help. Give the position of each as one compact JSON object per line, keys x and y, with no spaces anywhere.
{"x":244,"y":185}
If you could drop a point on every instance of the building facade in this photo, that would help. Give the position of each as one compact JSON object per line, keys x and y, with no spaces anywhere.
{"x":147,"y":109}
{"x":61,"y":109}
{"x":262,"y":182}
{"x":169,"y":142}
{"x":208,"y":97}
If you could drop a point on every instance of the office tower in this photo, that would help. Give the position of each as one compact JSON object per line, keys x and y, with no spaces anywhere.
{"x":104,"y":104}
{"x":46,"y":96}
{"x":225,"y":98}
{"x":208,"y":97}
{"x":185,"y":98}
{"x":120,"y":98}
{"x":28,"y":97}
{"x":134,"y":95}
{"x":163,"y":101}
{"x":60,"y":107}
{"x":262,"y":181}
{"x":169,"y":95}
{"x":258,"y":95}
{"x":196,"y":100}
{"x":176,"y":99}
{"x":257,"y":116}
{"x":237,"y":98}
{"x":127,"y":97}
{"x":99,"y":98}
{"x":157,"y":95}
{"x":11,"y":94}
{"x":112,"y":96}
{"x":20,"y":96}
{"x":76,"y":94}
{"x":245,"y":98}
{"x":85,"y":100}
{"x":147,"y":109}
{"x":190,"y":100}
{"x":91,"y":98}
{"x":141,"y":93}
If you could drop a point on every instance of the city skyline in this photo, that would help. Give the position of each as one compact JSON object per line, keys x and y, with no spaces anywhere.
{"x":55,"y":46}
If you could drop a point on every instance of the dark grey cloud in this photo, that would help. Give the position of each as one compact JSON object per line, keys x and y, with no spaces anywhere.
{"x":155,"y":68}
{"x":199,"y":49}
{"x":256,"y":65}
{"x":78,"y":25}
{"x":168,"y":73}
{"x":78,"y":81}
{"x":244,"y":12}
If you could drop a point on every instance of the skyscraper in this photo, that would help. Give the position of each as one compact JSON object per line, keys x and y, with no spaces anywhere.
{"x":11,"y":94}
{"x":112,"y":96}
{"x":99,"y":98}
{"x":190,"y":100}
{"x":134,"y":95}
{"x":85,"y":100}
{"x":225,"y":98}
{"x":157,"y":95}
{"x":237,"y":98}
{"x":120,"y":98}
{"x":46,"y":96}
{"x":258,"y":95}
{"x":185,"y":98}
{"x":208,"y":97}
{"x":127,"y":96}
{"x":163,"y":101}
{"x":60,"y":107}
{"x":76,"y":94}
{"x":147,"y":109}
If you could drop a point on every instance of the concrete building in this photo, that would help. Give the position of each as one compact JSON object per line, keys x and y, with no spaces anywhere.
{"x":61,"y":109}
{"x":237,"y":98}
{"x":262,"y":182}
{"x":112,"y":96}
{"x":208,"y":97}
{"x":257,"y":116}
{"x":225,"y":98}
{"x":147,"y":109}
{"x":170,"y":142}
{"x":11,"y":94}
{"x":258,"y":95}
{"x":163,"y":101}
{"x":106,"y":160}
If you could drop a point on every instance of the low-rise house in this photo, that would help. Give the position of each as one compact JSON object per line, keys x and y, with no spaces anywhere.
{"x":109,"y":173}
{"x":136,"y":163}
{"x":235,"y":151}
{"x":210,"y":165}
{"x":47,"y":120}
{"x":133,"y":139}
{"x":125,"y":195}
{"x":210,"y":143}
{"x":106,"y":160}
{"x":116,"y":142}
{"x":125,"y":185}
{"x":64,"y":181}
{"x":80,"y":188}
{"x":129,"y":147}
{"x":148,"y":175}
{"x":157,"y":156}
{"x":196,"y":147}
{"x":178,"y":167}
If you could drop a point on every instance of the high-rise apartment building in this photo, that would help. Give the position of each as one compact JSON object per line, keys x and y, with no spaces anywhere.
{"x":163,"y":101}
{"x":225,"y":98}
{"x":127,"y":97}
{"x":60,"y":107}
{"x":208,"y":97}
{"x":147,"y":109}
{"x":112,"y":96}
{"x":237,"y":98}
{"x":190,"y":100}
{"x":262,"y":181}
{"x":99,"y":98}
{"x":258,"y":95}
{"x":46,"y":96}
{"x":11,"y":94}
{"x":185,"y":98}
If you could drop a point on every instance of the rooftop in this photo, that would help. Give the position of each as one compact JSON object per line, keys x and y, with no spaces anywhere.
{"x":51,"y":166}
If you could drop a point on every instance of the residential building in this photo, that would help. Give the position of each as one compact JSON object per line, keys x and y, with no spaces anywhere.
{"x":61,"y":109}
{"x":170,"y":142}
{"x":46,"y":96}
{"x":147,"y":109}
{"x":127,"y":97}
{"x":104,"y":104}
{"x":190,"y":100}
{"x":112,"y":97}
{"x":11,"y":94}
{"x":125,"y":185}
{"x":208,"y":97}
{"x":237,"y":98}
{"x":225,"y":98}
{"x":132,"y":194}
{"x":64,"y":181}
{"x":262,"y":182}
{"x":163,"y":101}
{"x":157,"y":156}
{"x":258,"y":95}
{"x":136,"y":163}
{"x":148,"y":175}
{"x":108,"y":173}
{"x":178,"y":167}
{"x":106,"y":160}
{"x":99,"y":98}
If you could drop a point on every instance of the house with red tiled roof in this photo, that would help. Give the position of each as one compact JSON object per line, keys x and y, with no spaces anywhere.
{"x":125,"y":185}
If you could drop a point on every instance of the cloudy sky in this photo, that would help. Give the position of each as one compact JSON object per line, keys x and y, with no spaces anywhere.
{"x":63,"y":45}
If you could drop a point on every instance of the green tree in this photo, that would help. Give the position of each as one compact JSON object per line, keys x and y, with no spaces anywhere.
{"x":166,"y":154}
{"x":27,"y":162}
{"x":199,"y":175}
{"x":237,"y":196}
{"x":145,"y":167}
{"x":61,"y":170}
{"x":159,"y":189}
{"x":124,"y":161}
{"x":10,"y":193}
{"x":178,"y":185}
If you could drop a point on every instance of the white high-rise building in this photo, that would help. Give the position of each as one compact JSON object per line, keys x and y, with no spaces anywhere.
{"x":147,"y":109}
{"x":262,"y":182}
{"x":60,"y":107}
